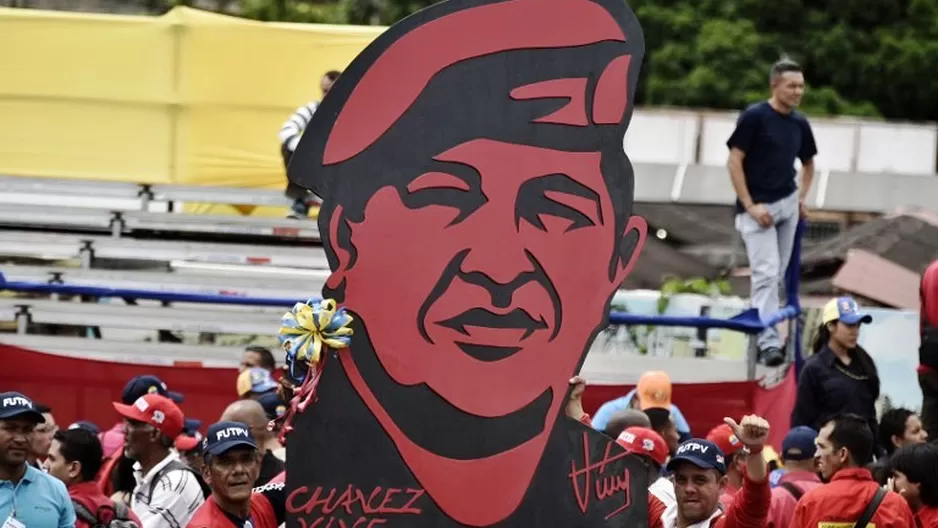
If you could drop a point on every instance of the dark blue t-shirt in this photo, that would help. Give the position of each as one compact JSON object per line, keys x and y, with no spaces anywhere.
{"x":771,"y":141}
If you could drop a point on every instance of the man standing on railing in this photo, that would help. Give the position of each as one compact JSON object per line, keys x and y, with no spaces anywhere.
{"x":928,"y":351}
{"x":767,"y":139}
{"x":290,"y":134}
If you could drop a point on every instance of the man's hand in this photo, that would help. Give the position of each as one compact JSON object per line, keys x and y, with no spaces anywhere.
{"x":753,"y":431}
{"x":760,"y":214}
{"x":802,"y":208}
{"x":575,"y":403}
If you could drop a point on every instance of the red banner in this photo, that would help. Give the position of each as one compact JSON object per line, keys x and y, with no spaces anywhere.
{"x":704,"y":405}
{"x":82,"y":389}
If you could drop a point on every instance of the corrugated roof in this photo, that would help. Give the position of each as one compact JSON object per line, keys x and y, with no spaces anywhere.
{"x":910,"y":241}
{"x":871,"y":276}
{"x":690,"y":224}
{"x":659,"y":261}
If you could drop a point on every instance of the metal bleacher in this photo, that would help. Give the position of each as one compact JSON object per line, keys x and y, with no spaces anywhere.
{"x":61,"y":246}
{"x":140,"y":194}
{"x":133,"y":236}
{"x":129,"y":236}
{"x":220,"y":281}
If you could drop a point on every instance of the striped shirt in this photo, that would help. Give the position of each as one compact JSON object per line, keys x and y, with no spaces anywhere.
{"x":176,"y":496}
{"x":292,"y":129}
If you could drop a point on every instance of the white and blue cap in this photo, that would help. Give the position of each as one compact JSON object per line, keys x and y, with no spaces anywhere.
{"x":223,"y":436}
{"x":17,"y":405}
{"x":844,"y":309}
{"x":701,"y":453}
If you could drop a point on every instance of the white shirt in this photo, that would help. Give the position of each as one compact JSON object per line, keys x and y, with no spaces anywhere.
{"x":281,"y":453}
{"x":292,"y":129}
{"x":669,"y":518}
{"x":176,"y":496}
{"x":663,"y":489}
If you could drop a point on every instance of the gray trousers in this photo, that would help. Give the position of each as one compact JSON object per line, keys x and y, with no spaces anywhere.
{"x":769,"y":250}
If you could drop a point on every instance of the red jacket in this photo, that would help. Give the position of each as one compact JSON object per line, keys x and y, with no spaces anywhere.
{"x":89,"y":495}
{"x":749,"y":509}
{"x":844,"y":499}
{"x":103,"y":479}
{"x":927,"y":517}
{"x":928,"y":312}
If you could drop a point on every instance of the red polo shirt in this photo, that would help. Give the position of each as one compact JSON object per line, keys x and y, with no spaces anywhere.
{"x":783,"y":502}
{"x":267,"y":511}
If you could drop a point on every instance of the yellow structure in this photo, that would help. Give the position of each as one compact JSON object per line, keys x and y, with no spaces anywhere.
{"x":188,"y":97}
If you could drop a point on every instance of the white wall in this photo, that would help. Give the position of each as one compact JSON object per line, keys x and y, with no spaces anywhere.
{"x":845,"y":145}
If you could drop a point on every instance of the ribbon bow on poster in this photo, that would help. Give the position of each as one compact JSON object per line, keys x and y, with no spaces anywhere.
{"x":305,"y":331}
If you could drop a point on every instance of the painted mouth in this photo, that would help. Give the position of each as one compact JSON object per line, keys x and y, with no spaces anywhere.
{"x":456,"y":434}
{"x":516,"y":319}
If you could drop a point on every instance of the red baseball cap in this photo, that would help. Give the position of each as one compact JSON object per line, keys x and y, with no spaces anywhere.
{"x":723,"y":436}
{"x":646,"y":442}
{"x":158,"y":411}
{"x":186,"y":443}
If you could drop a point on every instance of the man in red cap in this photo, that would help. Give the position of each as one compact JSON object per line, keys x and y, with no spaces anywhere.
{"x":648,"y":444}
{"x":167,"y":492}
{"x":735,"y":454}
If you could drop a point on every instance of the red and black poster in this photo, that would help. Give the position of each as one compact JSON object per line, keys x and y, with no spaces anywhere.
{"x":477,"y":218}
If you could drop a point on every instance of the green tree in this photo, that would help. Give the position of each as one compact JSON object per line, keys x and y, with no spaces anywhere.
{"x":871,"y":58}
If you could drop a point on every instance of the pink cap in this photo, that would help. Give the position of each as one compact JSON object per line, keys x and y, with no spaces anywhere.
{"x":112,"y":440}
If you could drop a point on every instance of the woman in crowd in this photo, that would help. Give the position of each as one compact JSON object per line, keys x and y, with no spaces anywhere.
{"x":840,"y":377}
{"x":897,"y":428}
{"x":900,"y":427}
{"x":914,"y":470}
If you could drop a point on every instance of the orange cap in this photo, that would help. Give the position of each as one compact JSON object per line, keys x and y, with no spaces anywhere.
{"x":654,"y":390}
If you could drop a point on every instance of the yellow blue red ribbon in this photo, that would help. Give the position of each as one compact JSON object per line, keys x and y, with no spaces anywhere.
{"x":309,"y":326}
{"x":304,"y":331}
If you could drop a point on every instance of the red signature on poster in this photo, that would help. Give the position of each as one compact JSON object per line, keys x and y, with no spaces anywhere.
{"x":351,"y":507}
{"x":596,"y":481}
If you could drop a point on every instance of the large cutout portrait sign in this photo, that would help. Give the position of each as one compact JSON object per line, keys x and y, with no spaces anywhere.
{"x":477,"y":220}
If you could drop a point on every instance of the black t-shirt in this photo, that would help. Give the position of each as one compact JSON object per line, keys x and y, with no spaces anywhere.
{"x":771,"y":141}
{"x":271,"y":466}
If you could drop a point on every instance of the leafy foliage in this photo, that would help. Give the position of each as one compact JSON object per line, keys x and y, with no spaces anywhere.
{"x":641,"y":337}
{"x":869,"y":58}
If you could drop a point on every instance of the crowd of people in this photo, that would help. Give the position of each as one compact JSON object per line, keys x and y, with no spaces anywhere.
{"x":154,"y":468}
{"x":831,"y":476}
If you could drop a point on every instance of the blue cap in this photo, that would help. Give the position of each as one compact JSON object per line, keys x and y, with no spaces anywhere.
{"x":223,"y":436}
{"x":86,"y":425}
{"x":140,"y":386}
{"x":191,"y":426}
{"x":16,"y":405}
{"x":701,"y":453}
{"x":274,"y":406}
{"x":799,"y":444}
{"x":844,"y":309}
